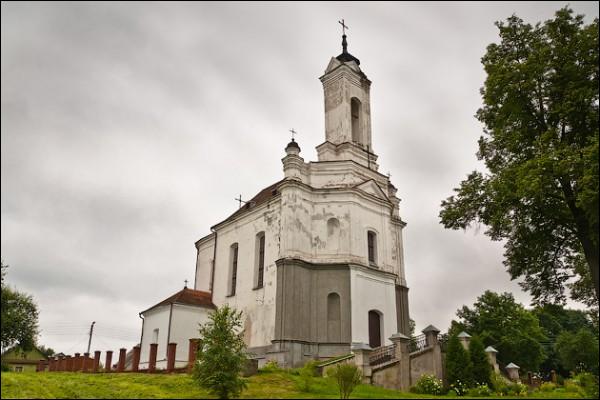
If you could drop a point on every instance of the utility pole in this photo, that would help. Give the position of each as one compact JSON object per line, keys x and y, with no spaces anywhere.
{"x":90,"y":340}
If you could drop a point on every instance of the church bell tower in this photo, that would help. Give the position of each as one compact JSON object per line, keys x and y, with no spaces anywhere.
{"x":347,"y":111}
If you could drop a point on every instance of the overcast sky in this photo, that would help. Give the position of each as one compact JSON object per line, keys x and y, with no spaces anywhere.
{"x":129,"y":129}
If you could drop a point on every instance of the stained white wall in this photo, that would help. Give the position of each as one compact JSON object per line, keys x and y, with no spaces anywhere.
{"x":155,"y":318}
{"x":257,"y":305}
{"x":204,"y":259}
{"x":184,"y":326}
{"x":370,"y":291}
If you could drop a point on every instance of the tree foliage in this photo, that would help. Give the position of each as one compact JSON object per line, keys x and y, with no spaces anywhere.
{"x":482,"y":370}
{"x":578,"y":351}
{"x":458,"y":363}
{"x":555,"y":320}
{"x":19,"y":317}
{"x":540,"y":146}
{"x":506,"y":325}
{"x":221,"y":354}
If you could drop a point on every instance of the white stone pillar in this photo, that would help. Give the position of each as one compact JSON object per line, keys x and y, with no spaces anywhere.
{"x":402,"y":353}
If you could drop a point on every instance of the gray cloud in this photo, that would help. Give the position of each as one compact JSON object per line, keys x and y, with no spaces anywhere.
{"x":128,"y":129}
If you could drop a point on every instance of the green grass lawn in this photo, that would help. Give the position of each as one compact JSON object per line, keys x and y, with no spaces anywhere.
{"x":264,"y":385}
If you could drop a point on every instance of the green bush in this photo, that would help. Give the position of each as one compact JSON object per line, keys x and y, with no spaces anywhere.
{"x":589,"y":384}
{"x":347,"y":377}
{"x":516,"y":389}
{"x":481,"y":390}
{"x":307,"y":374}
{"x":5,"y":367}
{"x":271,"y":366}
{"x":459,"y":369}
{"x":428,"y":384}
{"x":459,"y":388}
{"x":482,"y":370}
{"x":547,"y":387}
{"x":499,"y":383}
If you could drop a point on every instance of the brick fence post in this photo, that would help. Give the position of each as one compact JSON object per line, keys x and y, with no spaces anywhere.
{"x":108,"y":363}
{"x":431,"y":338}
{"x":135,"y":365}
{"x":84,"y":366}
{"x":51,"y":364}
{"x":69,"y":364}
{"x":121,"y":364}
{"x":192,"y":351}
{"x":152,"y":359}
{"x":171,"y":351}
{"x":77,"y":362}
{"x":61,"y":364}
{"x":96,"y":361}
{"x":40,"y":366}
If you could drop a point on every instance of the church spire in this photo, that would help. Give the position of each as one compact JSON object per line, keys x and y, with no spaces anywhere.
{"x":345,"y":56}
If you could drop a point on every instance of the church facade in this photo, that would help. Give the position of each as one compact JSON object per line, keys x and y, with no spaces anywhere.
{"x":315,"y":260}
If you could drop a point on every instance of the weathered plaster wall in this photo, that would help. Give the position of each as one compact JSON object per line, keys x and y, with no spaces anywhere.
{"x":421,"y":363}
{"x":258,"y":305}
{"x":184,"y":326}
{"x":205,"y":249}
{"x":153,"y":319}
{"x":372,"y":290}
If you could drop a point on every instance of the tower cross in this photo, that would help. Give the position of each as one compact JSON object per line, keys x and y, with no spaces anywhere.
{"x":293,"y":133}
{"x":344,"y":26}
{"x":185,"y":283}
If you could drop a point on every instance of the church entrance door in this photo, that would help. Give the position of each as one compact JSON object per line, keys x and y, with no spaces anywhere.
{"x":374,"y":329}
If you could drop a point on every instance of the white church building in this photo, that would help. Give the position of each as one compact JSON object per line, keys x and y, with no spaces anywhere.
{"x":314,"y":261}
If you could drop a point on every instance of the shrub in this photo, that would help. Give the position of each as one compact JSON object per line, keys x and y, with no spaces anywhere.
{"x":482,"y":370}
{"x":458,"y":364}
{"x":271,"y":366}
{"x":5,"y":367}
{"x":516,"y":389}
{"x":498,"y":383}
{"x":307,"y":374}
{"x":547,"y":387}
{"x":347,"y":376}
{"x":589,"y":384}
{"x":459,"y":387}
{"x":428,"y":384}
{"x":221,"y":354}
{"x":480,"y":390}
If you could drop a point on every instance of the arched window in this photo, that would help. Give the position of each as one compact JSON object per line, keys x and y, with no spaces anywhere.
{"x":234,"y":262}
{"x":355,"y":113}
{"x":372,"y":247}
{"x":333,"y":318}
{"x":260,"y":260}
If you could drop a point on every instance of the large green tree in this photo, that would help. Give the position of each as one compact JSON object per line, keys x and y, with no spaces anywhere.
{"x":540,"y":146}
{"x":482,"y":369}
{"x":507,"y":326}
{"x":222,"y":354}
{"x":458,"y":363}
{"x":578,"y":351}
{"x":19,"y":316}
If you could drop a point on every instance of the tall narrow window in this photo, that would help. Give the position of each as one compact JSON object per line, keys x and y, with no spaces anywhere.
{"x":261,"y":260}
{"x":372,"y":246}
{"x":234,"y":262}
{"x":355,"y":108}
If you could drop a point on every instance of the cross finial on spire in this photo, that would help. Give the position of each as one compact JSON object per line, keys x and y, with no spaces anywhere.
{"x":344,"y":43}
{"x":344,"y":26}
{"x":185,"y":284}
{"x":293,"y":133}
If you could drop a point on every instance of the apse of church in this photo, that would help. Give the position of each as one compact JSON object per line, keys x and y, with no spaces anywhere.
{"x":315,"y":260}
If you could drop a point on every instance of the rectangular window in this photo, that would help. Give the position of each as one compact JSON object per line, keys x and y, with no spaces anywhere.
{"x":234,"y":262}
{"x":371,"y":244}
{"x":261,"y":261}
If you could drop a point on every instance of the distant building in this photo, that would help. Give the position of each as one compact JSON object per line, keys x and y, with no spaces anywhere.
{"x":22,"y":361}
